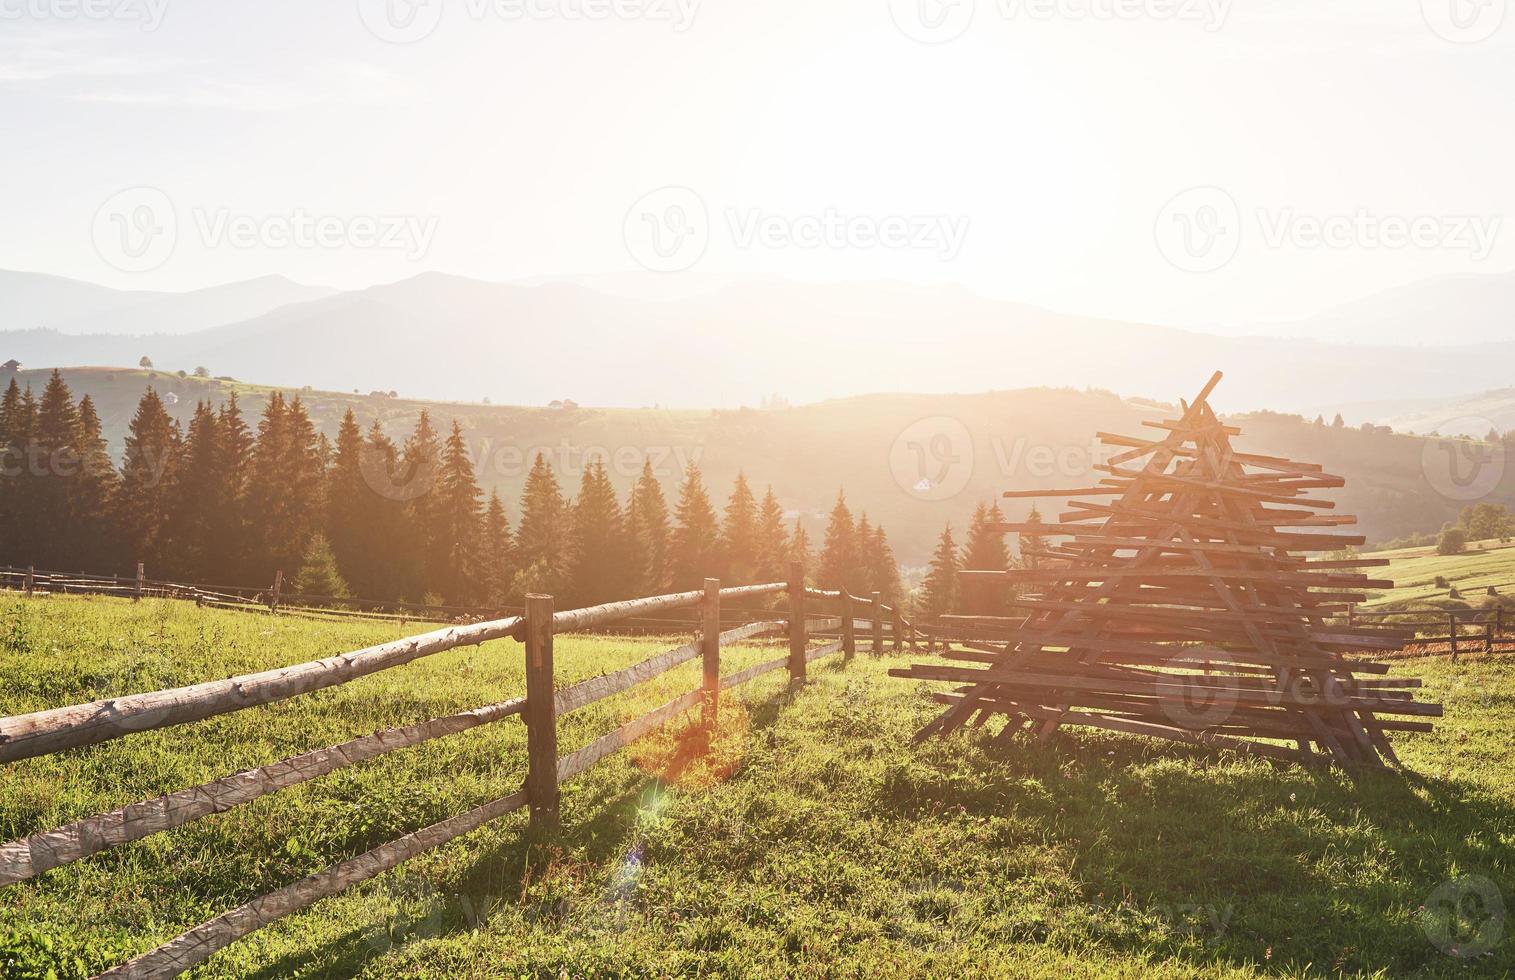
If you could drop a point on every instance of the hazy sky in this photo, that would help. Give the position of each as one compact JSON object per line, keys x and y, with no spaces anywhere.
{"x":1041,"y":150}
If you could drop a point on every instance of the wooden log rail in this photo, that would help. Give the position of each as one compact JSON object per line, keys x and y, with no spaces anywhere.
{"x":50,"y":731}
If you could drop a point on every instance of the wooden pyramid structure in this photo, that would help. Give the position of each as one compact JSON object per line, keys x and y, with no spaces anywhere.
{"x":1182,"y":606}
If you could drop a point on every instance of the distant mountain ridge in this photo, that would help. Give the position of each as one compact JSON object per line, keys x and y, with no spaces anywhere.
{"x":446,"y":337}
{"x":31,"y":300}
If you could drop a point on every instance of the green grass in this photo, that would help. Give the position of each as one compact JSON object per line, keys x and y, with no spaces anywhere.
{"x":1414,"y":572}
{"x":815,"y":841}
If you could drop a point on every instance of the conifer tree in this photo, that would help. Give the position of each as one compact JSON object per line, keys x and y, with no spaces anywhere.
{"x":696,"y":539}
{"x":800,"y":550}
{"x":94,"y":541}
{"x":230,"y":513}
{"x":318,"y":574}
{"x":596,"y":550}
{"x":985,"y":551}
{"x":51,"y":463}
{"x":345,"y":501}
{"x":496,"y":555}
{"x":542,"y":535}
{"x":420,"y":464}
{"x":649,"y":535}
{"x":145,"y":494}
{"x":195,"y":553}
{"x":382,"y":524}
{"x":939,"y":591}
{"x":839,"y":551}
{"x":14,"y":435}
{"x":773,"y":541}
{"x":883,"y":570}
{"x":1031,"y":543}
{"x":739,"y":535}
{"x":453,"y":559}
{"x":860,"y":578}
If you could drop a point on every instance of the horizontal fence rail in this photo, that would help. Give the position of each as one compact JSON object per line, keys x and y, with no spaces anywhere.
{"x":58,"y":729}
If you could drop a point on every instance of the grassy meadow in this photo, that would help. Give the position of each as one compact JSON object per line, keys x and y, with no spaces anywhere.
{"x":813,"y":840}
{"x":1415,"y":570}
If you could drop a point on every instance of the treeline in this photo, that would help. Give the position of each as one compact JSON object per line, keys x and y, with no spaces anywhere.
{"x":226,"y":501}
{"x":943,"y":591}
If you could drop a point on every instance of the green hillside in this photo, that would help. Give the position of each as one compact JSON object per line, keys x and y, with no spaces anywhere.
{"x":878,"y":446}
{"x":1414,"y":571}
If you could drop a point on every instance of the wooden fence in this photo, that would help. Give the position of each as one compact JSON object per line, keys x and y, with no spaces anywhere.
{"x":58,"y":729}
{"x":1460,"y":630}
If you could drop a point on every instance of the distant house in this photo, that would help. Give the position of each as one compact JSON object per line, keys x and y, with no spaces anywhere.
{"x":11,"y":366}
{"x":556,"y":405}
{"x":569,"y":404}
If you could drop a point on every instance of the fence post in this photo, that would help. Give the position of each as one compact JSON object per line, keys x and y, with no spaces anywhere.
{"x":1488,"y":636}
{"x":1452,"y":633}
{"x":849,"y":634}
{"x":797,"y":669}
{"x":141,"y":575}
{"x":31,"y":575}
{"x":541,"y":715}
{"x":1498,"y":622}
{"x":878,"y":624}
{"x":273,"y":604}
{"x":710,"y":649}
{"x":899,"y":630}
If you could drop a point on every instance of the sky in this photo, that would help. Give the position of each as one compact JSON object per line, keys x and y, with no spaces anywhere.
{"x":1213,"y":164}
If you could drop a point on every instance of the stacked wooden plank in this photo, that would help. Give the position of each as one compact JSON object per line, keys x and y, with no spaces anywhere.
{"x":1183,"y":606}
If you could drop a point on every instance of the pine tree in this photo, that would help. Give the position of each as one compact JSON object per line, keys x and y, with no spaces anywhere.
{"x":452,"y":560}
{"x":650,"y":535}
{"x":383,"y":526}
{"x":421,"y":463}
{"x":883,"y":570}
{"x":542,"y":535}
{"x":773,"y":541}
{"x":596,"y":549}
{"x":145,"y":494}
{"x":800,"y":550}
{"x":195,"y":553}
{"x":939,"y":591}
{"x":985,"y":551}
{"x":696,"y":539}
{"x":1031,"y":543}
{"x":739,"y":535}
{"x":839,"y":552}
{"x":345,"y":499}
{"x":284,"y":488}
{"x":94,"y":541}
{"x":230,"y":513}
{"x":51,"y":464}
{"x":496,"y":555}
{"x":14,"y":435}
{"x":860,"y":576}
{"x":318,"y":574}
